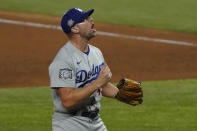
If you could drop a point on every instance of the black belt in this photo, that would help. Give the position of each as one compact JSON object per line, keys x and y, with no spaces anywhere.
{"x":91,"y":114}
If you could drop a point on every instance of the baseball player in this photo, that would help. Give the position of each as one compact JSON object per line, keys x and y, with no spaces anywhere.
{"x":79,"y":77}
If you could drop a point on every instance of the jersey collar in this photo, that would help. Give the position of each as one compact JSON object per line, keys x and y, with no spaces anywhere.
{"x":87,"y":53}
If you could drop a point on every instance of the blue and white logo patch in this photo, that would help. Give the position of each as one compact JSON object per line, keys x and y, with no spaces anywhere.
{"x":70,"y":22}
{"x":79,"y":9}
{"x":65,"y":74}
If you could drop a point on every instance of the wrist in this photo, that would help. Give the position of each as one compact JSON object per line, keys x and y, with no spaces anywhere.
{"x":96,"y":85}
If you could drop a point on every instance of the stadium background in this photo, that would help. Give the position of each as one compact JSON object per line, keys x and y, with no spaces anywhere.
{"x":27,"y":51}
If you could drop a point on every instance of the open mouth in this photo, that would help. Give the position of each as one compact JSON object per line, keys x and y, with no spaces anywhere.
{"x":92,"y":27}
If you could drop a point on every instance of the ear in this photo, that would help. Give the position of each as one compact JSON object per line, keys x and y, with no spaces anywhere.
{"x":75,"y":29}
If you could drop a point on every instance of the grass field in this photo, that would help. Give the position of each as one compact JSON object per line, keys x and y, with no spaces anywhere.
{"x":176,"y":15}
{"x":168,"y":106}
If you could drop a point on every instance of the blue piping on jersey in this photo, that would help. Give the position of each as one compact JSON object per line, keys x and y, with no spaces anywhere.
{"x":95,"y":71}
{"x":83,"y":75}
{"x":89,"y":81}
{"x":87,"y":53}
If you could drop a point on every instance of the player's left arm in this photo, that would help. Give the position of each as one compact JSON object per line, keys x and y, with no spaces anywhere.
{"x":109,"y":90}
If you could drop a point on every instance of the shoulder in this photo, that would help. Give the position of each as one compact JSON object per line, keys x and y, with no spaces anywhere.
{"x":65,"y":51}
{"x":62,"y":58}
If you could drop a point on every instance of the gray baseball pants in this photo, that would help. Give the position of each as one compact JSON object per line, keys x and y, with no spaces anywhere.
{"x":66,"y":122}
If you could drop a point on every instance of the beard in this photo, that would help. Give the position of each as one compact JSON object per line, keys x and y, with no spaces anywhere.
{"x":88,"y":35}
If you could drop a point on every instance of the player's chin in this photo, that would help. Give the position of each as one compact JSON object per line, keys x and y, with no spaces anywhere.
{"x":92,"y":35}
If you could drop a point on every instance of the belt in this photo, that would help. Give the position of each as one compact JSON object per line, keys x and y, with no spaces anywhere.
{"x":91,"y":114}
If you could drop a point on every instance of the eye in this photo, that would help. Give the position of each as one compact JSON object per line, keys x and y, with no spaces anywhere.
{"x":86,"y":19}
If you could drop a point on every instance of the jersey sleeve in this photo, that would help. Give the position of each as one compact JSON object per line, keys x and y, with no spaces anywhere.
{"x":61,"y":75}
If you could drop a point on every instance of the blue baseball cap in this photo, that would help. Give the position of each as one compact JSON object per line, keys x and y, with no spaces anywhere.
{"x":73,"y":17}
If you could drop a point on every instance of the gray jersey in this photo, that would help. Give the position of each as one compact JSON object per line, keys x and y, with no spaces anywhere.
{"x":75,"y":69}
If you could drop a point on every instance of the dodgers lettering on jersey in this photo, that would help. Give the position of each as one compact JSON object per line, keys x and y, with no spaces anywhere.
{"x":85,"y":77}
{"x":75,"y":69}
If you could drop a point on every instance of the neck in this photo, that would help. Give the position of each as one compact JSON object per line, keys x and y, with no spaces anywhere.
{"x":80,"y":44}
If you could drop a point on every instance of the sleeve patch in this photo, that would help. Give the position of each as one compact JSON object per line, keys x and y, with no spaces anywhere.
{"x":65,"y":74}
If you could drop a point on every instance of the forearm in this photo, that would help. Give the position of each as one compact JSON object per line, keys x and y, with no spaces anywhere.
{"x":109,"y":90}
{"x":73,"y":97}
{"x":84,"y":93}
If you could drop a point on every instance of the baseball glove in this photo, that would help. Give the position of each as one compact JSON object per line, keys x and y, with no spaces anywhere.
{"x":130,"y":92}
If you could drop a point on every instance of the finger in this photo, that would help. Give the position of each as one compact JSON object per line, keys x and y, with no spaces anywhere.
{"x":137,"y":98}
{"x":107,"y":71}
{"x":134,"y":89}
{"x":110,"y":74}
{"x":133,"y":102}
{"x":141,"y":101}
{"x":134,"y":94}
{"x":136,"y":102}
{"x":104,"y":68}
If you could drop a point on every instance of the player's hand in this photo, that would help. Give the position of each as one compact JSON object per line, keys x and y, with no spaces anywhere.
{"x":104,"y":76}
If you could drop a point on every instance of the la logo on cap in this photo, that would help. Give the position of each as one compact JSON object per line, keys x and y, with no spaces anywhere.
{"x":70,"y":22}
{"x":79,"y":9}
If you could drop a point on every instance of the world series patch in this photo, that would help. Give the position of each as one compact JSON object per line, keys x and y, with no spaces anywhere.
{"x":65,"y":74}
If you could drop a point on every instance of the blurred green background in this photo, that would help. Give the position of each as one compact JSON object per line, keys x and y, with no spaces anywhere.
{"x":174,"y":15}
{"x":168,"y":106}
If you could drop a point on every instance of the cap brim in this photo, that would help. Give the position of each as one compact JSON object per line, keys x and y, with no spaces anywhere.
{"x":88,"y":13}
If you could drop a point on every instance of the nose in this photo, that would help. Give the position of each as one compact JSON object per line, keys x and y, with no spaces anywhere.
{"x":92,"y":21}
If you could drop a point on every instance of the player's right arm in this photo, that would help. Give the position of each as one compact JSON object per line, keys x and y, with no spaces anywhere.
{"x":72,"y":97}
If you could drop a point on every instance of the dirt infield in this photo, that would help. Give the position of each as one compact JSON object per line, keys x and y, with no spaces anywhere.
{"x":26,"y":52}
